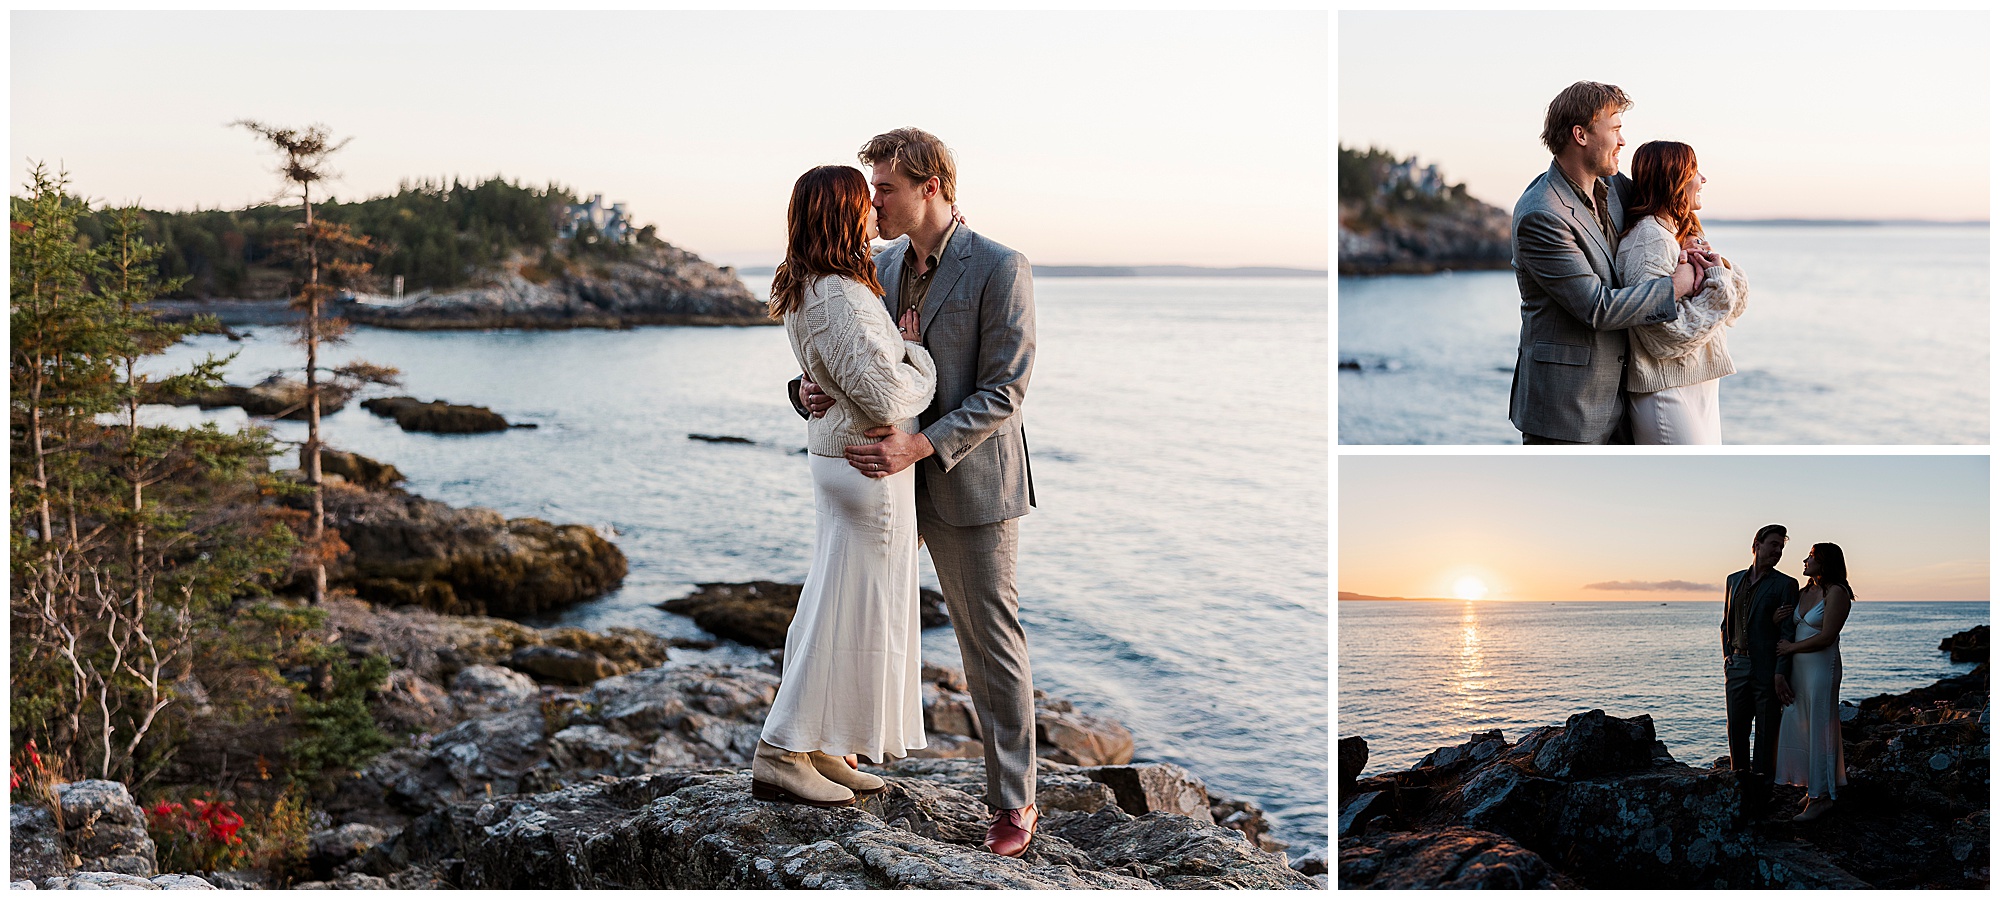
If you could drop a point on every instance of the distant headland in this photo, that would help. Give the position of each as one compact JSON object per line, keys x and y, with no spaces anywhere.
{"x":1350,"y":595}
{"x":1400,"y":218}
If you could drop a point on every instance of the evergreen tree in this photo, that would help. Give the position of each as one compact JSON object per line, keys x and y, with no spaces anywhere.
{"x":305,"y":163}
{"x":110,"y":577}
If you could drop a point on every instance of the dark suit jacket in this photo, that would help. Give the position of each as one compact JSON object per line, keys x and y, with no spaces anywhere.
{"x":1765,"y":597}
{"x":1570,"y":367}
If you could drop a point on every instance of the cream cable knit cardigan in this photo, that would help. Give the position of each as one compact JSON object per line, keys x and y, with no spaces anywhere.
{"x":846,"y":342}
{"x":1691,"y":349}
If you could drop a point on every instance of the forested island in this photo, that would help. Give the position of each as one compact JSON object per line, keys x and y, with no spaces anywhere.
{"x":1399,"y":217}
{"x":491,"y":253}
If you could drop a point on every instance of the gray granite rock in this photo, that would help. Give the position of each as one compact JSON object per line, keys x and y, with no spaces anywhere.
{"x":104,"y":829}
{"x":702,"y":830}
{"x":1154,"y":787}
{"x":35,"y":848}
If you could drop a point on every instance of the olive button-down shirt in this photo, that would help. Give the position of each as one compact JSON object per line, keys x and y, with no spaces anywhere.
{"x":915,"y":286}
{"x":1599,"y":199}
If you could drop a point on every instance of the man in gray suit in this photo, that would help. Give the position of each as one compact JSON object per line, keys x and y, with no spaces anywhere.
{"x":1569,"y":373}
{"x":1757,"y":606}
{"x":974,"y":301}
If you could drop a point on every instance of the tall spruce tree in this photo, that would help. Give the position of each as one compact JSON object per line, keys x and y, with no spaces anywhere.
{"x":322,"y":249}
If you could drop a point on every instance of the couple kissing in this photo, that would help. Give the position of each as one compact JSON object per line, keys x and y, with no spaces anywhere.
{"x":914,"y":363}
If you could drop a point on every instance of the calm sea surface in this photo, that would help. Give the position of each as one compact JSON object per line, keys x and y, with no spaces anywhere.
{"x":1418,"y":675}
{"x":1173,"y":577}
{"x":1854,"y":335}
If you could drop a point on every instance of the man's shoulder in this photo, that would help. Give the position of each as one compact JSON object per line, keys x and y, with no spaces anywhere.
{"x":1539,"y":194}
{"x":979,"y":246}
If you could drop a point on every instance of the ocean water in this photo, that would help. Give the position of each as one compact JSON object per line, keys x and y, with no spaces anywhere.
{"x":1173,"y":577}
{"x":1418,"y":675}
{"x":1854,"y":335}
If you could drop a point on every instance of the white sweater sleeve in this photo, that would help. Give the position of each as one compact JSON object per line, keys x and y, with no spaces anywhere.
{"x":887,"y":378}
{"x":1722,"y":297}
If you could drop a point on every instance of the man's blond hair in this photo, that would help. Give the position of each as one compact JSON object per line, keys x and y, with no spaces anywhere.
{"x":1579,"y":104}
{"x":918,"y":154}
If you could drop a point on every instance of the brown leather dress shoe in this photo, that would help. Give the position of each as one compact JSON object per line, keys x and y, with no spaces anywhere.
{"x":1012,"y":829}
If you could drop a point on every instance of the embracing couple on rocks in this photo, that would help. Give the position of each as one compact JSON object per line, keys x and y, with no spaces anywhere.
{"x":1781,"y":651}
{"x":914,"y":364}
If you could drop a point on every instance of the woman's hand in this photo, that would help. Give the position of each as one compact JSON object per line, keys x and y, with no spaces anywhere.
{"x":1699,"y":245}
{"x":911,"y":326}
{"x":1786,"y":648}
{"x":1779,"y":615}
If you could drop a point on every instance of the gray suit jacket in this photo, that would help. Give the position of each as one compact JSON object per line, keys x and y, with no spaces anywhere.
{"x":1767,"y":596}
{"x":978,"y":323}
{"x":1570,"y":366}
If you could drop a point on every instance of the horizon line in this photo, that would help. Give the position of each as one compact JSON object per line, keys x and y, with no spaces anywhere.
{"x":1350,"y":597}
{"x":1799,"y":220}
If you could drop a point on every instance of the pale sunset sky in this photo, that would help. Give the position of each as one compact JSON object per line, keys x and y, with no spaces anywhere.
{"x":1823,"y":115}
{"x":1116,"y":138}
{"x":1629,"y":527}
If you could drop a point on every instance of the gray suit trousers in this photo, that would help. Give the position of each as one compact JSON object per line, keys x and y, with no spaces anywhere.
{"x":975,"y":567}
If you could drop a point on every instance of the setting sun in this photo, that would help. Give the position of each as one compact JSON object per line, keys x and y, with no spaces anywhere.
{"x":1469,"y":588}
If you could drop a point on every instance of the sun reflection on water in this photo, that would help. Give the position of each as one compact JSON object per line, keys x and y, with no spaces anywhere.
{"x":1469,"y":672}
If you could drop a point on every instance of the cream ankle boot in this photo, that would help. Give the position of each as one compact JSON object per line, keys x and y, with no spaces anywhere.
{"x":782,"y":775}
{"x":839,"y":772}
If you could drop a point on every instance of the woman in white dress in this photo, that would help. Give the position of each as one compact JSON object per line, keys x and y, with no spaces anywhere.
{"x":851,"y":668}
{"x":1675,"y":369}
{"x":1809,"y":750}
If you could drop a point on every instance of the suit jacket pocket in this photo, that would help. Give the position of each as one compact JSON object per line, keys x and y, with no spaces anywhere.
{"x":1562,"y":354}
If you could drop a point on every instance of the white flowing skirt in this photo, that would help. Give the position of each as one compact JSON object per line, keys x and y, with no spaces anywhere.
{"x":1690,"y":414}
{"x":1809,"y":749}
{"x":853,"y":663}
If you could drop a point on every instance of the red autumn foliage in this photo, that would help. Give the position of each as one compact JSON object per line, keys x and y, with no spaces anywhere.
{"x":201,"y":832}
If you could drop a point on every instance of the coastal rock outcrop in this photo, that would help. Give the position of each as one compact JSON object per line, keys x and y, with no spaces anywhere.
{"x":660,"y":285}
{"x":757,"y":613}
{"x":701,"y":830}
{"x":1598,"y":801}
{"x":276,"y":395}
{"x":1969,"y":645}
{"x":1397,"y":217}
{"x":358,"y":470}
{"x":678,"y":717}
{"x":437,"y":416}
{"x":408,"y":550}
{"x":1450,"y":858}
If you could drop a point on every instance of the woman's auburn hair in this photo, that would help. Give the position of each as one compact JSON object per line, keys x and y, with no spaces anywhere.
{"x":826,"y":233}
{"x":1661,"y":171}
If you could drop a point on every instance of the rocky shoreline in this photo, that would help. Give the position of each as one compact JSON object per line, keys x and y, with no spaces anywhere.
{"x":1398,"y":217}
{"x":525,"y":771}
{"x":562,"y":757}
{"x":1598,"y":802}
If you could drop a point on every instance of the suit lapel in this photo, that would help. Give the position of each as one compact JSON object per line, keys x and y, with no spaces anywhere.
{"x":951,"y":264}
{"x":1579,"y":211}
